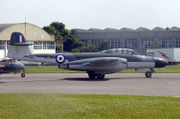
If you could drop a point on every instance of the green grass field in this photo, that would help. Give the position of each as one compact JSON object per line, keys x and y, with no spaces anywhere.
{"x":66,"y":106}
{"x":63,"y":106}
{"x":54,"y":69}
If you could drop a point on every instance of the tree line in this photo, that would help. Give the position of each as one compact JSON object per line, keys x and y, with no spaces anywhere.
{"x":70,"y":41}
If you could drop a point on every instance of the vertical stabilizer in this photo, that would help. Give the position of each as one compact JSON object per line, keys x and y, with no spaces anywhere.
{"x":18,"y":46}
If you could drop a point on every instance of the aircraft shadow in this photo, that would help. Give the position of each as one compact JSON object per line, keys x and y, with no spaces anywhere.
{"x":122,"y":78}
{"x":84,"y":79}
{"x":2,"y":82}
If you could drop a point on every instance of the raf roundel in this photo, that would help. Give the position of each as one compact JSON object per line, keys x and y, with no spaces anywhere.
{"x":60,"y":58}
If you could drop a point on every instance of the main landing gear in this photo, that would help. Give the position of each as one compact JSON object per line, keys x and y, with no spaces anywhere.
{"x":93,"y":75}
{"x":148,"y":74}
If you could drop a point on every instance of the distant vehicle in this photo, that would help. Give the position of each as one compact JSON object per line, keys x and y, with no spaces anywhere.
{"x":169,"y":54}
{"x":8,"y":65}
{"x":96,"y":64}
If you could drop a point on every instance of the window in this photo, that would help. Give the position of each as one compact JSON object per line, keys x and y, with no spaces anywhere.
{"x":8,"y":43}
{"x":85,"y":42}
{"x":1,"y":45}
{"x":38,"y":45}
{"x":50,"y":45}
{"x":165,"y":43}
{"x":115,"y":43}
{"x":130,"y":43}
{"x":96,"y":42}
{"x":44,"y":45}
{"x":177,"y":42}
{"x":146,"y":43}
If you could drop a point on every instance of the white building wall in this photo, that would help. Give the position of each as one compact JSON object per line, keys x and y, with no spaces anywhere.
{"x":177,"y":54}
{"x":2,"y":54}
{"x":172,"y":53}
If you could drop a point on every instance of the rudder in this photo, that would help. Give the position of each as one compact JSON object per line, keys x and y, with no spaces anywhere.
{"x":18,"y":46}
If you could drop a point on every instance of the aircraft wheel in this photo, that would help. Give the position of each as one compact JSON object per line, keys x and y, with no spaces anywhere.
{"x":23,"y":75}
{"x":148,"y":74}
{"x":100,"y":76}
{"x":91,"y":75}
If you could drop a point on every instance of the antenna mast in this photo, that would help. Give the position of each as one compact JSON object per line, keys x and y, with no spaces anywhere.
{"x":25,"y":28}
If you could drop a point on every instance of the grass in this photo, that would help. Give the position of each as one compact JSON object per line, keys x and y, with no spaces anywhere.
{"x":63,"y":106}
{"x":54,"y":69}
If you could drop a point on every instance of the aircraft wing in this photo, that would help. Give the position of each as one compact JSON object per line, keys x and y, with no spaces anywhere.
{"x":99,"y":64}
{"x":102,"y":62}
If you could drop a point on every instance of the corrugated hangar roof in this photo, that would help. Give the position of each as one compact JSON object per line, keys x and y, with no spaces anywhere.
{"x":30,"y":31}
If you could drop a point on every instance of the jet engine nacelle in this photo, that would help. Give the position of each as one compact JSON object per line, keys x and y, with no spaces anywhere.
{"x":99,"y":65}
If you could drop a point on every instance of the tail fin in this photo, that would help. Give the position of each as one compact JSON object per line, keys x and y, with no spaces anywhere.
{"x":18,"y":46}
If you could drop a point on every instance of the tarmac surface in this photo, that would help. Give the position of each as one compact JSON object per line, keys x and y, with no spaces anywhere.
{"x":161,"y":84}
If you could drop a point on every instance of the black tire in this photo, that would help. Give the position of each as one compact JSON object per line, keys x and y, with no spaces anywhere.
{"x":100,"y":76}
{"x":148,"y":74}
{"x":91,"y":75}
{"x":23,"y":75}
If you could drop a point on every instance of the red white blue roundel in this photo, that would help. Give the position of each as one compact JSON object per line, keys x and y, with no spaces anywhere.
{"x":60,"y":58}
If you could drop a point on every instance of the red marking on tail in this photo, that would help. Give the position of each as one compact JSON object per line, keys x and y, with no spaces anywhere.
{"x":164,"y":55}
{"x":22,"y":38}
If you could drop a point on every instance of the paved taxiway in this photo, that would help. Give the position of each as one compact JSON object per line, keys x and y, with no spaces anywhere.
{"x":76,"y":83}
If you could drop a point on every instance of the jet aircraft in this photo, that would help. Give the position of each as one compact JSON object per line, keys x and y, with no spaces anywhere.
{"x":96,"y":64}
{"x":8,"y":65}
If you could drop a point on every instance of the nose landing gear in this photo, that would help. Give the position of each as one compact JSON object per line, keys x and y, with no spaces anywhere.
{"x":23,"y":74}
{"x":148,"y":74}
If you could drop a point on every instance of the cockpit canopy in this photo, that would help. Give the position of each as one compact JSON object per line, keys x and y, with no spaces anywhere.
{"x":120,"y":51}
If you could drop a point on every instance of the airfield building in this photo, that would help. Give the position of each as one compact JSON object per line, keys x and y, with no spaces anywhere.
{"x":43,"y":42}
{"x":139,"y":39}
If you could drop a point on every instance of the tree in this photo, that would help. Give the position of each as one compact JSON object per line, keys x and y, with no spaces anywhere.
{"x":72,"y":42}
{"x":63,"y":35}
{"x":89,"y":48}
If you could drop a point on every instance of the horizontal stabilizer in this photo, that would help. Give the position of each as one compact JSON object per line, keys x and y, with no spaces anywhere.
{"x":23,"y":44}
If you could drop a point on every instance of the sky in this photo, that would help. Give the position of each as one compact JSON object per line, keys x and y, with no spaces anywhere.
{"x":87,"y":14}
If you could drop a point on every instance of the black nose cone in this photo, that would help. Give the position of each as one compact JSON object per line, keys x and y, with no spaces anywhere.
{"x":159,"y":62}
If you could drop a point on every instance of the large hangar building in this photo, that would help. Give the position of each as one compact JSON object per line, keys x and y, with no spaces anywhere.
{"x":43,"y":42}
{"x":139,"y":39}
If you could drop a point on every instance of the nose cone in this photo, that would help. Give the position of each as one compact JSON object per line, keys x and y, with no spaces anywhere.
{"x":159,"y":62}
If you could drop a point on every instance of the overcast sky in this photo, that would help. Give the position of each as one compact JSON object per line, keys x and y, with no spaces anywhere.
{"x":93,"y":13}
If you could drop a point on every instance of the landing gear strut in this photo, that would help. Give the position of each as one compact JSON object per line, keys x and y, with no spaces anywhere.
{"x":93,"y":75}
{"x":23,"y":74}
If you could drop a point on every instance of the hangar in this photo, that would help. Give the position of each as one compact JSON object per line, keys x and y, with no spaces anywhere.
{"x":43,"y":42}
{"x":138,"y":39}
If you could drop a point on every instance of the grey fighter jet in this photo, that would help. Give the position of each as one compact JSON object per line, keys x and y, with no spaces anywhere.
{"x":95,"y":64}
{"x":8,"y":65}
